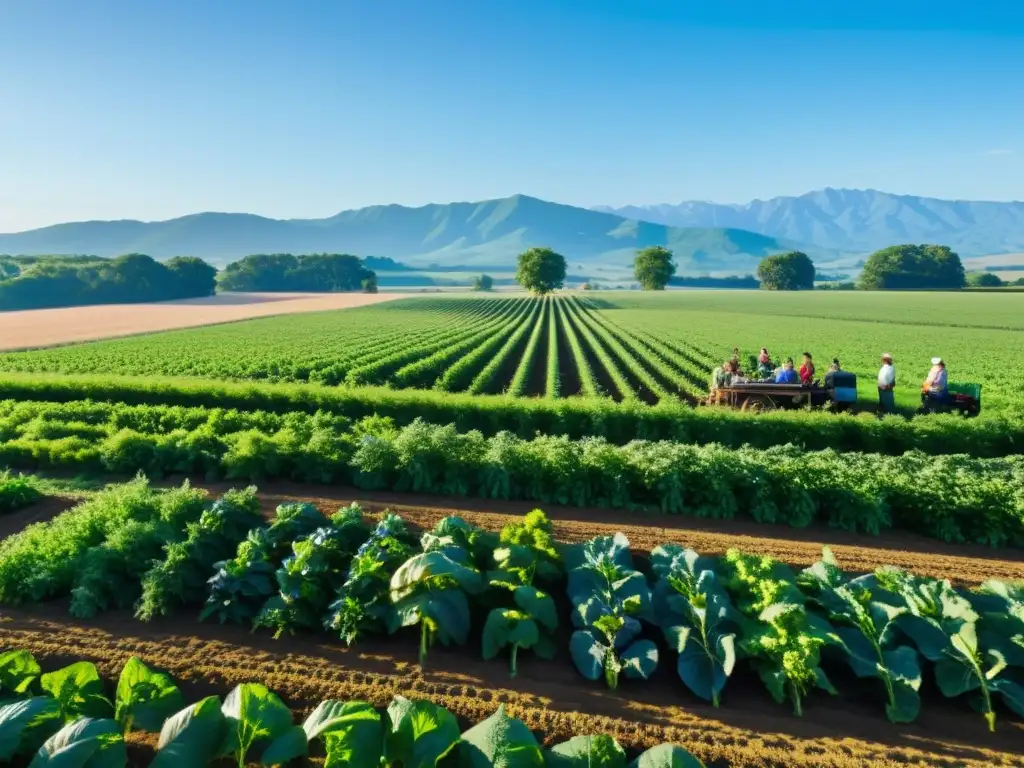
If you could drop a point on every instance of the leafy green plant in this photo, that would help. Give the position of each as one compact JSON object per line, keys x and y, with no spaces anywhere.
{"x":666,"y":756}
{"x":16,"y":492}
{"x":420,"y":733}
{"x":430,"y":590}
{"x":1000,"y":606}
{"x":464,"y":543}
{"x":309,"y":578}
{"x":352,"y":731}
{"x":782,"y":638}
{"x":500,"y":741}
{"x":587,"y":752}
{"x":525,"y":626}
{"x":181,"y":577}
{"x":259,"y":728}
{"x":78,"y":691}
{"x":535,"y":532}
{"x":944,"y":627}
{"x":362,"y":604}
{"x":26,"y":724}
{"x":144,"y":698}
{"x":869,"y":634}
{"x":697,"y":617}
{"x":19,"y":672}
{"x":609,"y":597}
{"x":85,"y":743}
{"x":192,"y":736}
{"x":242,"y":584}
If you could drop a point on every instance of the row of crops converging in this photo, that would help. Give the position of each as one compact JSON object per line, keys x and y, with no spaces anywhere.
{"x":524,"y":598}
{"x":550,"y":347}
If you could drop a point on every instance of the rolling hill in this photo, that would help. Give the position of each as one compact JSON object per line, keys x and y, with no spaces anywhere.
{"x":857,"y":221}
{"x":492,"y":232}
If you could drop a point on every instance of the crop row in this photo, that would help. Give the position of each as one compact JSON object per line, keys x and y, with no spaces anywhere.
{"x":64,"y":717}
{"x":986,"y":436}
{"x":954,"y":498}
{"x":304,"y":572}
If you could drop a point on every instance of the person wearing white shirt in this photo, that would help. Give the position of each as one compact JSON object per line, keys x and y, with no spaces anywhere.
{"x":887,"y":385}
{"x":936,"y":386}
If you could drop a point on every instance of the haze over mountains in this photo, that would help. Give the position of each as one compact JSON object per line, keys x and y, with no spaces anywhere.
{"x":855,"y":220}
{"x":835,"y":227}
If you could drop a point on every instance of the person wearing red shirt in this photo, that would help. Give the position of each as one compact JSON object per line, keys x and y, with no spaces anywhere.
{"x":807,"y":370}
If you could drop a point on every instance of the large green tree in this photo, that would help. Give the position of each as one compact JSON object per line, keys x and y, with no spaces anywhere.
{"x":984,"y":280}
{"x":541,"y":270}
{"x":653,"y":267}
{"x":792,"y":271}
{"x":912,"y":267}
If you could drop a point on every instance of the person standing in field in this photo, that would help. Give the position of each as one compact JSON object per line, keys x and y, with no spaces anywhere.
{"x":887,"y":385}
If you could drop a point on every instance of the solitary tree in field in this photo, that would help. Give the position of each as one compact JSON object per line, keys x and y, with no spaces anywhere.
{"x":370,"y":284}
{"x":913,"y":267}
{"x":483,"y":283}
{"x":984,"y":280}
{"x":541,"y":270}
{"x":653,"y":267}
{"x":793,"y":271}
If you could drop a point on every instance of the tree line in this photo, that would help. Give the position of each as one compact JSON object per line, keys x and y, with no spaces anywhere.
{"x":39,"y":282}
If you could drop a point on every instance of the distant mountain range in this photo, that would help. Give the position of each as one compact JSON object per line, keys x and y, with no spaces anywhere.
{"x":856,"y":221}
{"x":835,"y":227}
{"x":492,"y":232}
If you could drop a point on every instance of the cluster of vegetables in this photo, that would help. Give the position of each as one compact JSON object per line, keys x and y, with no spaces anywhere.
{"x":954,"y":498}
{"x":63,"y":718}
{"x":132,"y":547}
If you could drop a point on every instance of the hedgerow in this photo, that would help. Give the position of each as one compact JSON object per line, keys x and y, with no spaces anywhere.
{"x":987,"y":436}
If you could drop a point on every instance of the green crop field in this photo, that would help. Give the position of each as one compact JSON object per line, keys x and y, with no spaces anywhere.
{"x":626,"y":346}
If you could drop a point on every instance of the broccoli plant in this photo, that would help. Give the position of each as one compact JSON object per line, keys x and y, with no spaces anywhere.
{"x":697,"y":617}
{"x":310,"y":577}
{"x":781,"y":636}
{"x":181,"y":576}
{"x":944,"y":626}
{"x":535,"y":534}
{"x":241,"y":586}
{"x":362,"y":603}
{"x":430,"y":589}
{"x":609,"y":598}
{"x":868,"y":631}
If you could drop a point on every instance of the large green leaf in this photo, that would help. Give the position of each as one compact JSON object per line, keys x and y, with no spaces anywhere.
{"x":640,"y":659}
{"x":353,"y":732}
{"x":588,"y":654}
{"x":145,"y":698}
{"x":500,"y":741}
{"x":1012,"y":692}
{"x":255,"y":717}
{"x":704,"y":670}
{"x":428,"y":568}
{"x":26,"y":724}
{"x":286,"y":747}
{"x":666,"y":756}
{"x":18,"y":671}
{"x":587,"y":752}
{"x":79,"y":691}
{"x":539,"y":604}
{"x":904,"y":671}
{"x":192,"y":736}
{"x":506,"y":627}
{"x":422,"y":733}
{"x":85,"y":743}
{"x":612,"y":549}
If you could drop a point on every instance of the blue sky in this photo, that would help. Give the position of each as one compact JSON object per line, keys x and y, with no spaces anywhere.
{"x":138,"y":109}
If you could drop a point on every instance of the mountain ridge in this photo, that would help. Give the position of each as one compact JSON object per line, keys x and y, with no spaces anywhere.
{"x":855,"y":220}
{"x":465,"y":233}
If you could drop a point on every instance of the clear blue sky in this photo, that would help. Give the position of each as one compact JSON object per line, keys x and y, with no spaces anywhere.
{"x":148,"y":109}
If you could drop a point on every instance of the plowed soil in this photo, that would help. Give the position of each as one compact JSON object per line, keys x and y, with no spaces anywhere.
{"x":33,"y":328}
{"x":749,"y":729}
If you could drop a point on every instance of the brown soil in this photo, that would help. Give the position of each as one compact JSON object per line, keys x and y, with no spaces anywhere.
{"x":748,"y":730}
{"x":45,"y":509}
{"x":963,"y":564}
{"x":29,"y":329}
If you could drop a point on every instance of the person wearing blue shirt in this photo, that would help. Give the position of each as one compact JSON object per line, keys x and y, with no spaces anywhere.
{"x":787,"y":375}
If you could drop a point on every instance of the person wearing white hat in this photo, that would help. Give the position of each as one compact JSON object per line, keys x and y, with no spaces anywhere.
{"x":887,"y":385}
{"x":936,"y":387}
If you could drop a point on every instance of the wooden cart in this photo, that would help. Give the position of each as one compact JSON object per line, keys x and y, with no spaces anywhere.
{"x":767,"y":396}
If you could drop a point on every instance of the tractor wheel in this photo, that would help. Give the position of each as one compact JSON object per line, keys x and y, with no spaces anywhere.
{"x":758,"y":403}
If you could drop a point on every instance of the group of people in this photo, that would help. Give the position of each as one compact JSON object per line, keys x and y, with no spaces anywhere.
{"x":731,"y":372}
{"x":934,"y":389}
